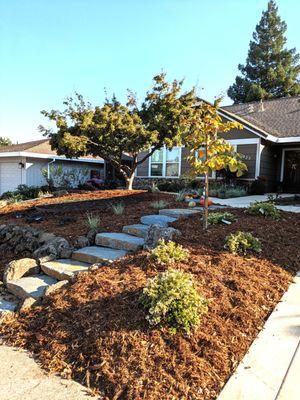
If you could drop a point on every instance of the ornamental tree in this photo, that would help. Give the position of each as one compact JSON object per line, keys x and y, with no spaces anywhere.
{"x":113,"y":129}
{"x":271,"y":70}
{"x":208,"y":150}
{"x":4,"y":141}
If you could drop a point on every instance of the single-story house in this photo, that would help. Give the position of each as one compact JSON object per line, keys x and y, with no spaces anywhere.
{"x":23,"y":164}
{"x":270,"y":142}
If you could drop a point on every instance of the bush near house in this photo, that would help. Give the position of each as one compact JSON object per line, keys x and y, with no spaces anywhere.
{"x":172,"y":300}
{"x":24,"y":192}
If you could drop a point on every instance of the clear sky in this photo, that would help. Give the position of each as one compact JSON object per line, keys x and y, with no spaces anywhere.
{"x":50,"y":48}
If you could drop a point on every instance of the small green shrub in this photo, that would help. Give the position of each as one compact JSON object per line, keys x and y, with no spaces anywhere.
{"x":223,"y":191}
{"x":180,"y":196}
{"x":92,"y":221}
{"x":118,"y":208}
{"x":24,"y":192}
{"x":172,"y":299}
{"x":219,"y":217}
{"x":159,"y":204}
{"x":241,"y":242}
{"x":267,"y":209}
{"x":169,"y":253}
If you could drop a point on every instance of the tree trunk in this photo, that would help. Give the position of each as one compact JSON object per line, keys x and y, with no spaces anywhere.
{"x":129,"y":182}
{"x":205,"y":214}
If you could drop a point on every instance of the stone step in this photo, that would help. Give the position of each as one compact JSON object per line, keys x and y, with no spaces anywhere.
{"x":97,"y":254}
{"x":138,"y":230}
{"x":31,"y":286}
{"x":161,"y":220}
{"x":64,"y":269}
{"x":179,"y":212}
{"x":7,"y":306}
{"x":121,"y":241}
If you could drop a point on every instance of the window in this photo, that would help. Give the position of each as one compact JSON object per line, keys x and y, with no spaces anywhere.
{"x":165,"y":163}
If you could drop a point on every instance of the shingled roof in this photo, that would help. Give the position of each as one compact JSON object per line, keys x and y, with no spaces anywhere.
{"x":37,"y":146}
{"x":278,"y":117}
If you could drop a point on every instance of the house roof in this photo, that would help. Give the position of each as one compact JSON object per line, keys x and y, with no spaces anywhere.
{"x":277,"y":117}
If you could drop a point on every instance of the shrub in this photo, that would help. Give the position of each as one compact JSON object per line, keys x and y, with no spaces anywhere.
{"x":92,"y":221}
{"x":241,"y":242}
{"x":266,"y":209}
{"x":223,"y":191}
{"x":172,"y":299}
{"x":219,"y":217}
{"x":169,"y":253}
{"x":258,"y":187}
{"x":159,"y":204}
{"x":86,"y":186}
{"x":118,"y":208}
{"x":180,"y":196}
{"x":24,"y":192}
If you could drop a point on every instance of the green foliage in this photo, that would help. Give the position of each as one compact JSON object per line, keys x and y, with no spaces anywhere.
{"x":4,"y":141}
{"x":223,"y":191}
{"x":219,"y":217}
{"x":241,"y":242}
{"x":159,"y":204}
{"x":118,"y":208}
{"x":181,"y":195}
{"x":61,"y":177}
{"x":92,"y":221}
{"x":258,"y":187}
{"x":24,"y":192}
{"x":169,"y":253}
{"x":112,"y":129}
{"x":172,"y":300}
{"x":267,"y":209}
{"x":271,"y":70}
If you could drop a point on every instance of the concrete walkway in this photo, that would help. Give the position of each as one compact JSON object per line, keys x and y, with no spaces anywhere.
{"x":245,"y":201}
{"x":22,"y":379}
{"x":271,"y":368}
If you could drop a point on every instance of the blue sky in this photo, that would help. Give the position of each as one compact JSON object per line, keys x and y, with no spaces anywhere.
{"x":50,"y":48}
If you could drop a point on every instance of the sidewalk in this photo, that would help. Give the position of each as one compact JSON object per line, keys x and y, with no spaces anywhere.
{"x":22,"y":379}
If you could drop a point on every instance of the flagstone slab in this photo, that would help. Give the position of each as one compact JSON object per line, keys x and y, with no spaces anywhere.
{"x":64,"y":269}
{"x":179,"y":212}
{"x":161,"y":220}
{"x":139,"y":230}
{"x":121,"y":241}
{"x":97,"y":254}
{"x":31,"y":286}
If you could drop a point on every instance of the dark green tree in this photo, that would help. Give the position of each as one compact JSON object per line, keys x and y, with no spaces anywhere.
{"x":4,"y":141}
{"x":271,"y":70}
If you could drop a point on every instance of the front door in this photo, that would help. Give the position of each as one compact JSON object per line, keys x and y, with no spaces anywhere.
{"x":292,"y":171}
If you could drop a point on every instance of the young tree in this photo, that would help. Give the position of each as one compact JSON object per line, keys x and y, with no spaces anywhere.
{"x":208,"y":151}
{"x":4,"y":141}
{"x":113,"y":129}
{"x":271,"y":70}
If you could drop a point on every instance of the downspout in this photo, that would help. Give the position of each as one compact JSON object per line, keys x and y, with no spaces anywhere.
{"x":48,"y":168}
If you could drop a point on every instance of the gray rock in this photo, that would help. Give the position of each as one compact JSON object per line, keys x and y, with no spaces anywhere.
{"x":59,"y":193}
{"x":81,"y":241}
{"x":157,"y":232}
{"x":18,"y":268}
{"x":45,"y":237}
{"x":138,"y":230}
{"x":27,"y":304}
{"x":54,"y":288}
{"x":121,"y":241}
{"x":91,"y":235}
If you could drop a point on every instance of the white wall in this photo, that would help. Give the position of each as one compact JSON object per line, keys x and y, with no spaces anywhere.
{"x":11,"y":173}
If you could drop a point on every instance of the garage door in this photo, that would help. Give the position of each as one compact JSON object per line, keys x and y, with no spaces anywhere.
{"x":10,"y":176}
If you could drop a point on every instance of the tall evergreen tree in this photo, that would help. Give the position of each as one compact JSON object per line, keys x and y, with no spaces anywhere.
{"x":271,"y":70}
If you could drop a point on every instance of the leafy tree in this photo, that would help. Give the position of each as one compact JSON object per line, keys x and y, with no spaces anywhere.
{"x":208,"y":150}
{"x":4,"y":141}
{"x":271,"y":70}
{"x":114,"y":129}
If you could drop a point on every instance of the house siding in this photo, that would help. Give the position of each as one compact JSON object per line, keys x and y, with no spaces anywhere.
{"x":143,"y":169}
{"x":269,"y":160}
{"x":238,"y":134}
{"x":250,"y":153}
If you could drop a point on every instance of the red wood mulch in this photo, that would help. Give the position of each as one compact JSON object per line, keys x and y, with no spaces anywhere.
{"x":95,"y":330}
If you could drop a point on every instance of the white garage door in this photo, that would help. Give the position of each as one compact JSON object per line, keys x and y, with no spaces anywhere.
{"x":10,"y":176}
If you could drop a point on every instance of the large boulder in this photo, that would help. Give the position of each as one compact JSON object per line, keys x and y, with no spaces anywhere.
{"x":156,"y":233}
{"x":18,"y":268}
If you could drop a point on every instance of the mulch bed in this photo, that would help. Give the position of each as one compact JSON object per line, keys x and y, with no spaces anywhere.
{"x":95,"y":330}
{"x":66,"y":216}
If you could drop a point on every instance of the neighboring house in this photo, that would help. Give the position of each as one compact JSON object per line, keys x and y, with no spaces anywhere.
{"x":270,"y":142}
{"x":23,"y":164}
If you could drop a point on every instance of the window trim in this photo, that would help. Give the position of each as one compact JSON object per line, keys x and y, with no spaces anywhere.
{"x":164,"y":164}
